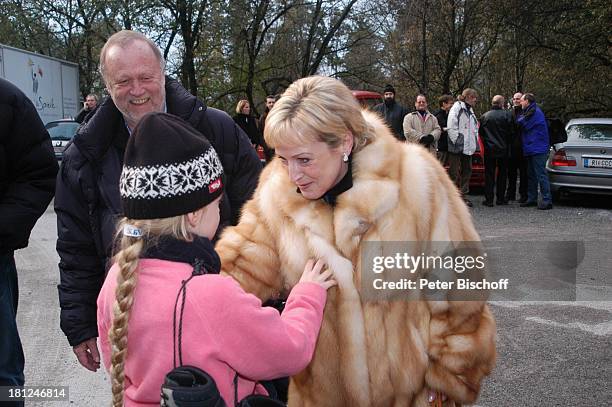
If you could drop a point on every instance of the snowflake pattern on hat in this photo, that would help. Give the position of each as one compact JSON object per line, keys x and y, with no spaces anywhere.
{"x":161,"y":181}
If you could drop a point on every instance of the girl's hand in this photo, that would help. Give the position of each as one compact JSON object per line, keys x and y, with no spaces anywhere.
{"x":436,"y":398}
{"x":319,"y":274}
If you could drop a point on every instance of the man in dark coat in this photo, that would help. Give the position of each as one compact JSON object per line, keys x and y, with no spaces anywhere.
{"x":87,"y":200}
{"x":516,"y":161}
{"x":392,"y":112}
{"x":496,"y":128}
{"x":445,"y":102}
{"x":270,"y":101}
{"x":27,"y":181}
{"x":90,"y":104}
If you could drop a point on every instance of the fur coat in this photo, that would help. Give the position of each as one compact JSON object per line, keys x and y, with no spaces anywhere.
{"x":369,"y":353}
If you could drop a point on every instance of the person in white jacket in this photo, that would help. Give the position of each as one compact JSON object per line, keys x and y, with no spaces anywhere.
{"x":462,"y":140}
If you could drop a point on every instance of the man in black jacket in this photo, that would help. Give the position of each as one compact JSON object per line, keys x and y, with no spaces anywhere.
{"x":516,"y":161}
{"x":27,"y":182}
{"x":91,"y":102}
{"x":270,"y":101}
{"x":392,"y":112}
{"x":87,"y":200}
{"x":445,"y":102}
{"x":496,"y":128}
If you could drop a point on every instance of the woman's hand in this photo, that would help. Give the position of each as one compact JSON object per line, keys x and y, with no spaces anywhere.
{"x":319,"y":274}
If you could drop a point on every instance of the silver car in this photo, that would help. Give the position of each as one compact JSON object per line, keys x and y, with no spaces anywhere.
{"x":61,"y":132}
{"x":583,"y":163}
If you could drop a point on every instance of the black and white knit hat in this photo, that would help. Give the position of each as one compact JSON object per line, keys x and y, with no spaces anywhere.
{"x":169,"y":169}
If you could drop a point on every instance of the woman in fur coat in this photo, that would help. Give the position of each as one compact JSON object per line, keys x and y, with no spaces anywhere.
{"x":341,"y":181}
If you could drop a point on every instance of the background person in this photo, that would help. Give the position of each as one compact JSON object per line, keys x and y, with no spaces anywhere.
{"x":340,"y":181}
{"x":462,"y":140}
{"x":516,"y":162}
{"x":27,"y":181}
{"x":270,"y":101}
{"x":421,"y":126}
{"x":87,"y":201}
{"x":90,"y":104}
{"x":247,"y":122}
{"x":445,"y":102}
{"x":496,"y":129}
{"x":534,"y":133}
{"x":225,"y":330}
{"x":392,"y":112}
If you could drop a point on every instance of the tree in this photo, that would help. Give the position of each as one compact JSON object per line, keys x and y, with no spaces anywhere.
{"x":256,"y":22}
{"x":189,"y":17}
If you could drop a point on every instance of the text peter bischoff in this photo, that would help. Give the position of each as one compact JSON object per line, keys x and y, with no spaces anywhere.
{"x":405,"y":271}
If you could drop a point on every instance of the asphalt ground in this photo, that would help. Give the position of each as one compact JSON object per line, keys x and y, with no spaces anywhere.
{"x":551,"y":353}
{"x":554,"y":353}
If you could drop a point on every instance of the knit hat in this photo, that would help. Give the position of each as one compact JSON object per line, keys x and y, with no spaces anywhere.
{"x":169,"y":169}
{"x":389,"y":88}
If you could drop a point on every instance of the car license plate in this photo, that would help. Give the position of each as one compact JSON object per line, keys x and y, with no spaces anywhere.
{"x":597,"y":163}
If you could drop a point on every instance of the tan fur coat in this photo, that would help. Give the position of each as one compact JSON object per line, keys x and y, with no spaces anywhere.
{"x":369,"y":353}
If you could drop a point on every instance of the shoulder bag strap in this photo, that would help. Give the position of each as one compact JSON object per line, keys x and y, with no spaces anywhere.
{"x":198,"y":270}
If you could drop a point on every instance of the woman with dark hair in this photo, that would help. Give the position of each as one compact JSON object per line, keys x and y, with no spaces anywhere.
{"x":247,"y":122}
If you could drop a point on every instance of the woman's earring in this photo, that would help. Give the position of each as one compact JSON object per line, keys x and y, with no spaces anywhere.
{"x":345,"y":157}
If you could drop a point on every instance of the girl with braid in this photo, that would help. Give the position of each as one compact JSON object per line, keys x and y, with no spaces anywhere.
{"x":170,"y":187}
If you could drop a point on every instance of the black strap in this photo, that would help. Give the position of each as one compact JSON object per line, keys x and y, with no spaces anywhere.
{"x":267,"y":384}
{"x":236,"y":389}
{"x":198,"y":270}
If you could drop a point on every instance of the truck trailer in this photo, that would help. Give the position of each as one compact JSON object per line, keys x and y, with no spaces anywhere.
{"x":52,"y":84}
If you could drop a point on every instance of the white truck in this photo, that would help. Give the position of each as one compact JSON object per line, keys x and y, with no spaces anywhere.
{"x":52,"y":84}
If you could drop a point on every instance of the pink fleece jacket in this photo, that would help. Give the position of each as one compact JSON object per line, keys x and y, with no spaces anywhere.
{"x":225,"y":330}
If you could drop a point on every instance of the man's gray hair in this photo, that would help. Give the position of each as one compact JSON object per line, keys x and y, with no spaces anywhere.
{"x":122,"y":39}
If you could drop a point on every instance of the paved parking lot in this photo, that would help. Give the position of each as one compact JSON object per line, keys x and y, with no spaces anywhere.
{"x":549,"y":353}
{"x":554,"y":353}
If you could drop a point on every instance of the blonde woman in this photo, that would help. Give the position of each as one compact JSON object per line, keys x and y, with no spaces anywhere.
{"x":247,"y":122}
{"x":170,"y":198}
{"x":341,"y":181}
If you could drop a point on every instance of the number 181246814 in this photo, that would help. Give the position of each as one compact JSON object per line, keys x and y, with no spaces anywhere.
{"x":33,"y":393}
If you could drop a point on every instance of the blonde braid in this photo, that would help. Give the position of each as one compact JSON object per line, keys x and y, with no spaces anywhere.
{"x":127,"y":260}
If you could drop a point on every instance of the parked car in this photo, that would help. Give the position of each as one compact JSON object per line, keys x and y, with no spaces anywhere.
{"x":477,"y":180}
{"x":367,"y":98}
{"x":583,"y":164}
{"x":61,"y":132}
